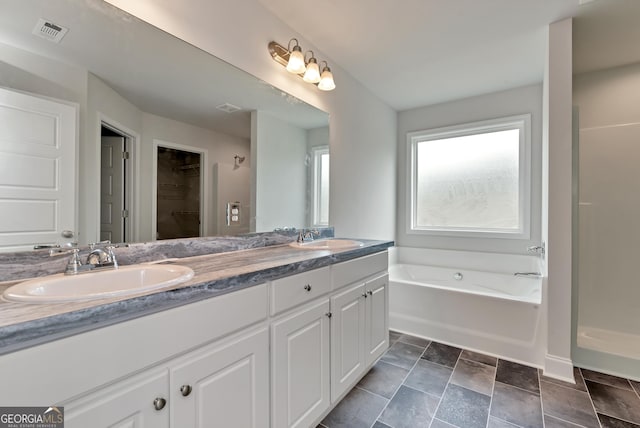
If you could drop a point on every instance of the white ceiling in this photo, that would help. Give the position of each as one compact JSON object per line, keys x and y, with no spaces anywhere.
{"x":413,"y":53}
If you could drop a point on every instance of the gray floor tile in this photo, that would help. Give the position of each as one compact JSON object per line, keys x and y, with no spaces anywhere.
{"x":358,"y":409}
{"x":410,"y":408}
{"x":616,"y":402}
{"x":519,"y":375}
{"x":517,"y":406}
{"x":606,"y":379}
{"x":481,"y":358}
{"x":475,"y":376}
{"x":429,"y":377}
{"x":499,"y":423}
{"x":609,"y":422}
{"x":393,"y":336}
{"x":437,"y":423}
{"x":636,"y":386}
{"x":568,"y":404}
{"x":402,"y":355}
{"x":442,"y":354}
{"x":579,"y":385}
{"x":417,"y":341}
{"x":383,"y":379}
{"x":464,"y":408}
{"x":551,"y":422}
{"x":379,"y":424}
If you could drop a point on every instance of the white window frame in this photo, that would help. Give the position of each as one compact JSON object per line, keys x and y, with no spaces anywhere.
{"x":316,"y":180}
{"x":520,"y":122}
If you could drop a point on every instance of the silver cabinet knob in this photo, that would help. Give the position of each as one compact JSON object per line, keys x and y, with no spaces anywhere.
{"x":370,"y":293}
{"x":185,"y":390}
{"x":159,"y":403}
{"x":329,"y":314}
{"x":307,"y":287}
{"x":364,"y":295}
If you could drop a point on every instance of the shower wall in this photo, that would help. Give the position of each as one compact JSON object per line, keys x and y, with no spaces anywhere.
{"x":608,"y":213}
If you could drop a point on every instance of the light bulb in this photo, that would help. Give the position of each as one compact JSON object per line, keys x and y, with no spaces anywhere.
{"x":326,"y":80}
{"x":312,"y":75}
{"x":296,"y":61}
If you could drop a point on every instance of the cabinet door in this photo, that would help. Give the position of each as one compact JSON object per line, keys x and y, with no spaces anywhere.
{"x":223,"y":385}
{"x":300,"y":366}
{"x":128,"y":404}
{"x":347,"y":338}
{"x":377,"y":324}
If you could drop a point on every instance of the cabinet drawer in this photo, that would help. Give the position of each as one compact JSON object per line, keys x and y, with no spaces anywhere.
{"x":294,"y":290}
{"x":350,"y":271}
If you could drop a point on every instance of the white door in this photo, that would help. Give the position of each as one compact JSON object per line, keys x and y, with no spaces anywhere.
{"x":347,"y":338}
{"x":377,"y":330}
{"x":134,"y":403}
{"x":111,"y":189}
{"x":300,"y":367}
{"x":223,"y":385}
{"x":37,"y":171}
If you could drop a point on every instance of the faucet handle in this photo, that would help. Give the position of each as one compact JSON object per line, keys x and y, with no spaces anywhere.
{"x":112,"y":256}
{"x":74,"y":265}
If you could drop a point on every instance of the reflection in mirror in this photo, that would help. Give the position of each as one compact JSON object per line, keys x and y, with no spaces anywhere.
{"x":94,"y":102}
{"x":606,"y":90}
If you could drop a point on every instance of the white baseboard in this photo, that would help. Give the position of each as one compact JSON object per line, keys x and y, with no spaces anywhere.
{"x":559,"y":368}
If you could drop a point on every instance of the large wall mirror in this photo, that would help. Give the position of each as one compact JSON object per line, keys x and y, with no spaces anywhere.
{"x":113,"y":129}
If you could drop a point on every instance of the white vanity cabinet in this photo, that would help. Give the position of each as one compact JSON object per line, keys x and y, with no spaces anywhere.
{"x":359,"y":331}
{"x":138,"y":402}
{"x":225,"y":385}
{"x":321,"y":349}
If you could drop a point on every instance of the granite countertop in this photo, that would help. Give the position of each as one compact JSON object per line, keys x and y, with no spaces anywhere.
{"x":24,"y":325}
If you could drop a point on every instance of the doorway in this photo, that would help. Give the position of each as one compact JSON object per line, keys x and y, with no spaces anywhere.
{"x":178,"y":193}
{"x":114,"y":210}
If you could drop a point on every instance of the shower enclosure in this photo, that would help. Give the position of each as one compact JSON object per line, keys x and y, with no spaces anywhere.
{"x":178,"y":194}
{"x":607,"y":238}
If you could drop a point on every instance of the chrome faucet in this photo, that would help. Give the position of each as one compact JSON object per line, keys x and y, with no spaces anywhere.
{"x":98,"y":258}
{"x":308,"y":235}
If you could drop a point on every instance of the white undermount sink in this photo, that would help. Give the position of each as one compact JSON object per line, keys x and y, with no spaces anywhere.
{"x":328,"y":244}
{"x":97,"y":285}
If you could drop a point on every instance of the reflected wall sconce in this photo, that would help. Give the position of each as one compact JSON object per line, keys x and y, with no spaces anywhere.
{"x":305,"y":65}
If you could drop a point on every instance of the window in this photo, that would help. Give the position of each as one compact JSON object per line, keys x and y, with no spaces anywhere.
{"x":472,"y":179}
{"x":320,"y":189}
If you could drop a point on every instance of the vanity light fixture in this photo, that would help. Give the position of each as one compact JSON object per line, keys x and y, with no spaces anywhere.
{"x":296,"y":63}
{"x":306,"y":66}
{"x":326,"y":79}
{"x":312,"y":75}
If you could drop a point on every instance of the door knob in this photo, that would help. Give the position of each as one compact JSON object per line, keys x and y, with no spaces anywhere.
{"x":185,"y":390}
{"x":159,"y":403}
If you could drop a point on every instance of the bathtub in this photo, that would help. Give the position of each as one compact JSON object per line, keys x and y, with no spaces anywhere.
{"x":470,"y":300}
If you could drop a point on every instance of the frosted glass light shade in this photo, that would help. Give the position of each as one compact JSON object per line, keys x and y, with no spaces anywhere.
{"x":296,"y":61}
{"x":326,"y":80}
{"x":312,"y":75}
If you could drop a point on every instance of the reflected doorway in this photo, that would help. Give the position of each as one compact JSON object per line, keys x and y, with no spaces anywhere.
{"x":114,"y":212}
{"x":179,"y":178}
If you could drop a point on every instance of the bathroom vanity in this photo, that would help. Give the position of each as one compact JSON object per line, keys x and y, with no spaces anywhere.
{"x":266,"y":337}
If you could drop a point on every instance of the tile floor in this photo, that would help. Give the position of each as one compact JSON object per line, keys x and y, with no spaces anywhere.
{"x":418,"y":383}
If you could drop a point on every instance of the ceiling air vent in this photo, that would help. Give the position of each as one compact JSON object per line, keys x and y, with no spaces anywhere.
{"x":50,"y":31}
{"x":229,"y":108}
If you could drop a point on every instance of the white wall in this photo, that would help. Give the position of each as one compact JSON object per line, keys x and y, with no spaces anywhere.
{"x":362,"y":128}
{"x":522,"y":100}
{"x":557,"y":148}
{"x":278,"y":160}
